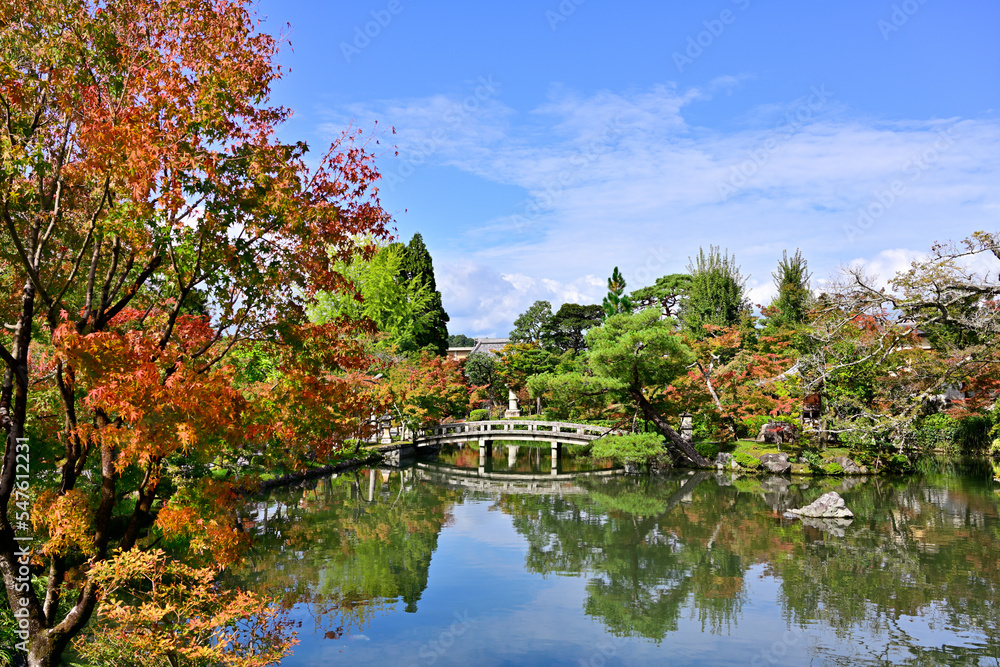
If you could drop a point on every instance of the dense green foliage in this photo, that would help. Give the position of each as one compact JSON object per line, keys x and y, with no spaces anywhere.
{"x":398,"y":308}
{"x":565,"y":330}
{"x":417,"y":268}
{"x":460,"y":340}
{"x":639,"y":349}
{"x":667,"y":294}
{"x":636,"y":448}
{"x":572,"y":395}
{"x":530,"y":324}
{"x":482,"y":370}
{"x":716,"y":294}
{"x":794,"y":296}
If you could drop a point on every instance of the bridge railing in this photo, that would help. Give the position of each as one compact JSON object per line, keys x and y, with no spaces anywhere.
{"x":506,"y":426}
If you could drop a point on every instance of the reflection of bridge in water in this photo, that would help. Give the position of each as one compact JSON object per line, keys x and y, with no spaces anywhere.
{"x":490,"y":482}
{"x":488,"y":432}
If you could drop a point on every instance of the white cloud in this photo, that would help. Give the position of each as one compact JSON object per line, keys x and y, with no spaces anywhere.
{"x":623,"y":179}
{"x":884,"y":266}
{"x":483,"y":302}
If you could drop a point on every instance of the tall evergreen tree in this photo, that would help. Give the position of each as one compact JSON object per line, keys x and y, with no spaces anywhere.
{"x":792,"y":280}
{"x":418,"y":265}
{"x":716,"y":293}
{"x":616,"y":301}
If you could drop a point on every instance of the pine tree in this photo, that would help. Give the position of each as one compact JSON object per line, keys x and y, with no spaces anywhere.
{"x":616,"y":301}
{"x":529,"y":325}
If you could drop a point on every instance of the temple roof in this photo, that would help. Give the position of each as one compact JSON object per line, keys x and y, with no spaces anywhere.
{"x":490,"y":345}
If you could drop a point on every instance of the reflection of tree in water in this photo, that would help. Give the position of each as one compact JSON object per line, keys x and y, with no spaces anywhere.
{"x":917,"y":551}
{"x":642,"y":573}
{"x":656,"y":550}
{"x":349,"y":548}
{"x":653,"y":548}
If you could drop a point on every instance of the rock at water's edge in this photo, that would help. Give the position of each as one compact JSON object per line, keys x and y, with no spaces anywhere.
{"x":724,"y":460}
{"x":776,"y":463}
{"x":828,"y":506}
{"x":835,"y":527}
{"x":850,"y":467}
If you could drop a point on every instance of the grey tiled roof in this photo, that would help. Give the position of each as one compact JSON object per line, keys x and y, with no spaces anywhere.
{"x":490,"y":345}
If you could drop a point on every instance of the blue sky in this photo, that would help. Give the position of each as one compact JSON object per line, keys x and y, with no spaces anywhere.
{"x":542,"y":143}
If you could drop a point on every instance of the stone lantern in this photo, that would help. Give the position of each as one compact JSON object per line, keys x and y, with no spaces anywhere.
{"x":687,"y":426}
{"x":386,"y":422}
{"x":512,"y":410}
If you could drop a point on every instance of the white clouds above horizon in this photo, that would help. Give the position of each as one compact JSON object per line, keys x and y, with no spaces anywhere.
{"x":622,"y":179}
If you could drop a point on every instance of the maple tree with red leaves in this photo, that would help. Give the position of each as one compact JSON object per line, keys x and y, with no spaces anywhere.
{"x":152,"y":224}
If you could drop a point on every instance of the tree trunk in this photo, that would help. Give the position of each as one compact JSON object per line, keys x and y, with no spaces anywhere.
{"x":45,"y":652}
{"x":679,"y":444}
{"x":707,"y":375}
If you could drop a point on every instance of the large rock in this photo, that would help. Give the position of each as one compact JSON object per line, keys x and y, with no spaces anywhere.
{"x":724,"y":461}
{"x":776,"y":463}
{"x":835,"y":527}
{"x":828,"y":506}
{"x":849,"y":466}
{"x":777,"y":433}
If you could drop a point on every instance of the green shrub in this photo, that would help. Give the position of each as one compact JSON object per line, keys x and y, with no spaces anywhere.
{"x":707,"y":449}
{"x":899,"y":463}
{"x":750,"y":426}
{"x":640,"y":448}
{"x":748,"y":461}
{"x":937,"y":431}
{"x":974,"y":433}
{"x":814,"y":460}
{"x":479,"y":415}
{"x":833,"y":468}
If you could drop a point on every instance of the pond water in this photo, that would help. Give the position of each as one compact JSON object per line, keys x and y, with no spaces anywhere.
{"x":429,"y":566}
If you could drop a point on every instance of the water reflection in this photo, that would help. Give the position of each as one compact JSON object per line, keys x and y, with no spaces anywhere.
{"x":689,"y":568}
{"x":350,"y":547}
{"x":523,"y":457}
